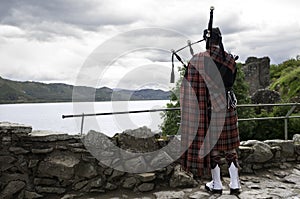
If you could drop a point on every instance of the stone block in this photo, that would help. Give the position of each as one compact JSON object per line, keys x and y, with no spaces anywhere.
{"x":287,"y":147}
{"x":6,"y":162}
{"x":146,"y":177}
{"x":44,"y":181}
{"x":32,"y":195}
{"x":18,"y":150}
{"x":42,"y":151}
{"x":136,"y":165}
{"x":80,"y":185}
{"x":60,"y":165}
{"x":50,"y":190}
{"x":33,"y":163}
{"x":161,"y":160}
{"x":146,"y":187}
{"x":86,"y":170}
{"x":262,"y":153}
{"x":129,"y":183}
{"x":12,"y":188}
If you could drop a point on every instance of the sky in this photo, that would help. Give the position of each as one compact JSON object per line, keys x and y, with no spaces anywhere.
{"x":127,"y":43}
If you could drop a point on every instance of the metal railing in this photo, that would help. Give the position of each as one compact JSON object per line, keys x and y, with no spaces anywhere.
{"x":285,"y":118}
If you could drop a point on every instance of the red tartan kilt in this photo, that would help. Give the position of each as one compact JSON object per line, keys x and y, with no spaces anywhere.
{"x":229,"y":138}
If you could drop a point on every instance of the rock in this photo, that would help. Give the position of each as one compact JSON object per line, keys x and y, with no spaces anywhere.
{"x":286,"y":146}
{"x":182,"y":179}
{"x":254,"y":186}
{"x":51,"y":137}
{"x":169,"y":195}
{"x":146,"y":187}
{"x":18,"y":150}
{"x":262,"y":153}
{"x":76,"y":145}
{"x":6,"y":177}
{"x":280,"y":174}
{"x":50,"y":190}
{"x":6,"y":162}
{"x":198,"y":195}
{"x":136,"y":165}
{"x":80,"y":185}
{"x":86,"y":170}
{"x":42,"y":151}
{"x":44,"y":181}
{"x":59,"y":165}
{"x":15,"y":128}
{"x":110,"y":186}
{"x":96,"y":183}
{"x":11,"y":189}
{"x":142,"y":132}
{"x":139,"y":140}
{"x":33,"y":163}
{"x":147,"y":177}
{"x":129,"y":183}
{"x":69,"y":196}
{"x":228,"y":197}
{"x":116,"y":175}
{"x":31,"y":195}
{"x":161,"y":160}
{"x":296,"y":139}
{"x":292,"y":178}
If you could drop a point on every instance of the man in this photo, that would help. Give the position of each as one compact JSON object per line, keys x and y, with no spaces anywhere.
{"x":205,"y":100}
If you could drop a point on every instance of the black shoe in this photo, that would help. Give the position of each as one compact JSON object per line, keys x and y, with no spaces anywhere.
{"x":235,"y":191}
{"x":213,"y":191}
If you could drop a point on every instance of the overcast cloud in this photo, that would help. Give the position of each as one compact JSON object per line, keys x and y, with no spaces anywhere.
{"x":50,"y":41}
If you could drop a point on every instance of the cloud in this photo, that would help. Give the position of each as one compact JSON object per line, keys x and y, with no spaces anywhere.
{"x":52,"y":40}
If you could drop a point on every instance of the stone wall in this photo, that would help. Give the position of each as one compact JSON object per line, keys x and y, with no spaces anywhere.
{"x":34,"y":166}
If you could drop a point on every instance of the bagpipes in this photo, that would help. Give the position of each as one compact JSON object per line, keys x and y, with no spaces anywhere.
{"x":207,"y":36}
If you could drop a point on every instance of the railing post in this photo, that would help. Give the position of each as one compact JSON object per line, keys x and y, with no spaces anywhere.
{"x":285,"y":128}
{"x":286,"y":121}
{"x":82,"y":121}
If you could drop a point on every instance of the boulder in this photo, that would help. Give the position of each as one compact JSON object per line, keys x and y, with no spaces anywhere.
{"x":182,"y":179}
{"x":296,"y":139}
{"x":262,"y":152}
{"x":286,"y":146}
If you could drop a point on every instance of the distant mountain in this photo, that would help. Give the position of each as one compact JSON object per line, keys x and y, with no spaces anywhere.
{"x":27,"y":92}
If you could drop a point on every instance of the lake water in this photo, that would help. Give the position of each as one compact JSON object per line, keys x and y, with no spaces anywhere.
{"x":48,"y":116}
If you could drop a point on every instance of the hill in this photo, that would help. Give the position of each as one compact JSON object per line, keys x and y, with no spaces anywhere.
{"x":285,"y":79}
{"x":29,"y":92}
